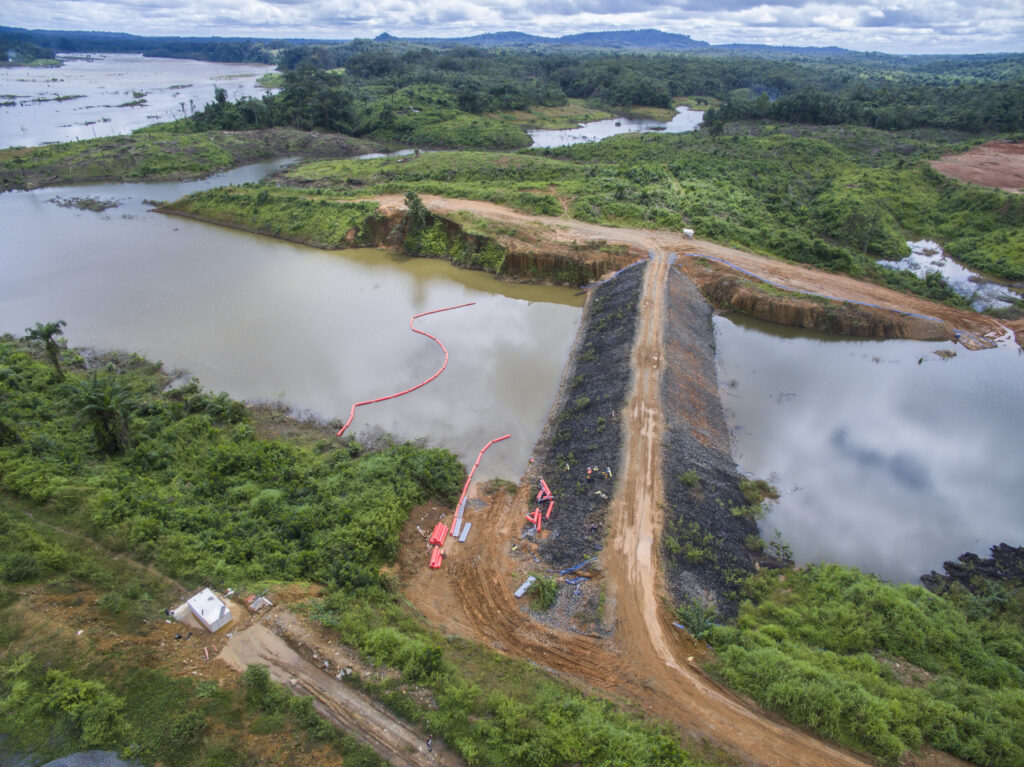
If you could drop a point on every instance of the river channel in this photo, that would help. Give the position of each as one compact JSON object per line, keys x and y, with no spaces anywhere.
{"x":267,"y":320}
{"x":886,"y":455}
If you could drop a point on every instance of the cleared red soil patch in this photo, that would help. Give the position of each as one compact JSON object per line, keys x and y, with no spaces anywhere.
{"x":998,"y":164}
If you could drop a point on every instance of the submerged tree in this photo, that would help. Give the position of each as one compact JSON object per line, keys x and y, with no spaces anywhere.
{"x":47,"y":336}
{"x":106,"y":404}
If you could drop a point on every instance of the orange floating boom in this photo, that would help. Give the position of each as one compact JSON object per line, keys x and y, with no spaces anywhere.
{"x":551,"y":505}
{"x":461,"y":505}
{"x":440,"y":370}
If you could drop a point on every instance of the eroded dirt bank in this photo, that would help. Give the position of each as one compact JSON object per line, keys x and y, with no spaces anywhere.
{"x":561,"y":233}
{"x":730,"y":290}
{"x":566,"y":251}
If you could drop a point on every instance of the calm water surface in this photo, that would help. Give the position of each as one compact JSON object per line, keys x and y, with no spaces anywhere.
{"x":685,"y":120}
{"x":106,"y":81}
{"x":882,"y":462}
{"x":269,"y":320}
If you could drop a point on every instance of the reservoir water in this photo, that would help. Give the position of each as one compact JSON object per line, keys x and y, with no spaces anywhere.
{"x":267,"y":320}
{"x":107,"y":94}
{"x":887,"y":456}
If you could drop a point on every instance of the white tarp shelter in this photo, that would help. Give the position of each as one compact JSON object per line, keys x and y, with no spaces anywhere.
{"x":210,"y":611}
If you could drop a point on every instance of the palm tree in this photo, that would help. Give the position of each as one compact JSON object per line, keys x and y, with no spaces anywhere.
{"x":47,"y":336}
{"x":106,"y":404}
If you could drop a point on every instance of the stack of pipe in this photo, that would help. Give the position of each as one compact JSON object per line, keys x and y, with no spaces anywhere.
{"x":544,"y":495}
{"x":436,"y":557}
{"x":440,"y":533}
{"x":535,"y":518}
{"x":437,"y":538}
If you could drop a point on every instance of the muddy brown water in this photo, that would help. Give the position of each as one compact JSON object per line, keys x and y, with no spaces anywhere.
{"x":887,"y":456}
{"x":267,"y":320}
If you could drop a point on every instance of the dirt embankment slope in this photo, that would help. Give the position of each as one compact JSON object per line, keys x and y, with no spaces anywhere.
{"x":998,"y":164}
{"x":572,"y":235}
{"x":703,"y":541}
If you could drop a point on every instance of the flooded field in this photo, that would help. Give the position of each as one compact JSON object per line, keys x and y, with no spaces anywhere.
{"x":684,"y":120}
{"x":983,"y":293}
{"x":267,"y":320}
{"x":887,"y":456}
{"x":108,"y":94}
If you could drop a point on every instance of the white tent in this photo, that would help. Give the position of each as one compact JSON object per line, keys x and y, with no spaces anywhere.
{"x":210,"y":611}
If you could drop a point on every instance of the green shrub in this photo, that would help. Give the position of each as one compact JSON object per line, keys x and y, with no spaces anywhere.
{"x":20,"y":566}
{"x":544,"y":592}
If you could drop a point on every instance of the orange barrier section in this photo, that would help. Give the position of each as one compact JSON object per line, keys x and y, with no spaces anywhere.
{"x":420,"y":385}
{"x":461,"y":505}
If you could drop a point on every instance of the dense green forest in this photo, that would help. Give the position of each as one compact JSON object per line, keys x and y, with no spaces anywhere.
{"x":203,"y":48}
{"x":23,"y":52}
{"x":367,"y":83}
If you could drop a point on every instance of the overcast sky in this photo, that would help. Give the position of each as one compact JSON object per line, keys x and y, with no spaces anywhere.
{"x":893,"y":26}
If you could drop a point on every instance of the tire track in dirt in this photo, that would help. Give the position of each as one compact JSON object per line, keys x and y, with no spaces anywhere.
{"x":642,"y":629}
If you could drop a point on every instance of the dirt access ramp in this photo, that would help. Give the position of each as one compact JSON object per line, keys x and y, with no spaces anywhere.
{"x":647,"y":662}
{"x":394,"y":740}
{"x":997,"y":164}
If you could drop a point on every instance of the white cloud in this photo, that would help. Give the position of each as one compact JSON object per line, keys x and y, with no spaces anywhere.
{"x":898,"y":26}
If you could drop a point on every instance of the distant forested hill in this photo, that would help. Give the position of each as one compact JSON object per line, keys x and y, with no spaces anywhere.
{"x":237,"y":50}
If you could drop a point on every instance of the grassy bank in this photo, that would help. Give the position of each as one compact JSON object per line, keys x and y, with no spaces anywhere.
{"x":883,"y":668}
{"x":145,"y":155}
{"x":289,"y":215}
{"x":836,"y":198}
{"x":568,"y":115}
